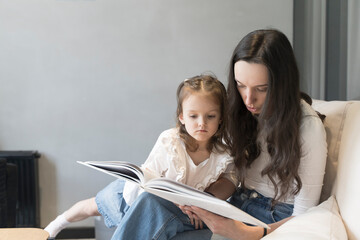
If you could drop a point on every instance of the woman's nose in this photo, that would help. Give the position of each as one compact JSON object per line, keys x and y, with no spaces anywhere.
{"x":250,"y":98}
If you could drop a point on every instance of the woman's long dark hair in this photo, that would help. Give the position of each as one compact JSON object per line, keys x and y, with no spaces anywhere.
{"x":280,"y":116}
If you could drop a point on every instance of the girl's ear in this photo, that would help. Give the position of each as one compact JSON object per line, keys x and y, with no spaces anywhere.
{"x":181,"y":118}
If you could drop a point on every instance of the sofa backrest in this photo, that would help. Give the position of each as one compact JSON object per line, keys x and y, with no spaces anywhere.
{"x":342,"y":124}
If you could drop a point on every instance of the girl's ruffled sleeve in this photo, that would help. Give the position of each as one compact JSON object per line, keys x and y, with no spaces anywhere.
{"x":157,"y":160}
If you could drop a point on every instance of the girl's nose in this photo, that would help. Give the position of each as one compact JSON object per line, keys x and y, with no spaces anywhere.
{"x":202,"y":121}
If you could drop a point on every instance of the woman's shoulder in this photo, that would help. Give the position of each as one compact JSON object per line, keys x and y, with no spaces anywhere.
{"x":309,"y":115}
{"x":307,"y":110}
{"x":311,"y":121}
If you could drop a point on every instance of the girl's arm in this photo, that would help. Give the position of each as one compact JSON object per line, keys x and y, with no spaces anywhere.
{"x":223,"y":188}
{"x":230,"y":228}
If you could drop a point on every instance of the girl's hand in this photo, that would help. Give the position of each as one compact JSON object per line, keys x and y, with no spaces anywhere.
{"x":194,"y":219}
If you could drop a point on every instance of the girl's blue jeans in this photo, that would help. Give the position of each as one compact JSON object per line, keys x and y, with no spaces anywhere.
{"x":151,"y":217}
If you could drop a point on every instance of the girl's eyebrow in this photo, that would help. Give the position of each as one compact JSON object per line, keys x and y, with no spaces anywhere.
{"x":195,"y":111}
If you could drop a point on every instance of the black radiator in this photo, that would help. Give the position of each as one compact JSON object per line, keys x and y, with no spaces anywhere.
{"x":27,"y":203}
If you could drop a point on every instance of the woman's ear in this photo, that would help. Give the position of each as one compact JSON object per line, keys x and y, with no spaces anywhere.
{"x":181,"y":118}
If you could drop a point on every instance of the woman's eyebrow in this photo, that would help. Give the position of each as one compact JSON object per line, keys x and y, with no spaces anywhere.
{"x":261,"y":85}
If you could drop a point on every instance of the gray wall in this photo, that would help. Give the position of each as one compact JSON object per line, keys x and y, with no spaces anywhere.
{"x":353,"y":51}
{"x":96,"y":80}
{"x":326,"y":44}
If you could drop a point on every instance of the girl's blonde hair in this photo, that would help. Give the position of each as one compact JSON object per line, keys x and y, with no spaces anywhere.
{"x":211,"y":86}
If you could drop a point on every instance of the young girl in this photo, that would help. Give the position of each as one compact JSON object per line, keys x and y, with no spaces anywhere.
{"x":193,"y":153}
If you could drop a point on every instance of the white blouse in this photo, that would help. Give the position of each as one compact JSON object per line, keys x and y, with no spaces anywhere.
{"x":169,"y":159}
{"x":311,"y":169}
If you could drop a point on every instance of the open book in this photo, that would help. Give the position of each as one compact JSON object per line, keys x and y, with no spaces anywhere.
{"x":171,"y":190}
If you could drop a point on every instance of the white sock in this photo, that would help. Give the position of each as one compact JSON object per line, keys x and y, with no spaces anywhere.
{"x":57,"y":225}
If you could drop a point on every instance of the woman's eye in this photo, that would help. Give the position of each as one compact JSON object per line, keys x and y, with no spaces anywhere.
{"x":263,"y":89}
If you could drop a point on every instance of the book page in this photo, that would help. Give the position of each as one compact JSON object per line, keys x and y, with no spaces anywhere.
{"x":123,"y":170}
{"x":185,"y":195}
{"x":176,"y":187}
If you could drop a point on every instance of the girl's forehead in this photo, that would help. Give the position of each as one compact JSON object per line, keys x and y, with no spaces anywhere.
{"x":201,"y":99}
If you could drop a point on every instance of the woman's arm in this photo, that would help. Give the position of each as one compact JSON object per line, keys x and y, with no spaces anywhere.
{"x":231,"y":228}
{"x":312,"y":164}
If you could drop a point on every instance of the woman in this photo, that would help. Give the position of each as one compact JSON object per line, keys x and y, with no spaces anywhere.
{"x":278,"y":141}
{"x":278,"y":144}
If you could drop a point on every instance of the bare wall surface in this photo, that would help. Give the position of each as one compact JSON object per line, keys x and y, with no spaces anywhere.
{"x":353,"y":53}
{"x":96,"y":80}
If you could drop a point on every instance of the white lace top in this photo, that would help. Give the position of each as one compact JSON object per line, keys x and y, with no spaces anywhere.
{"x":169,"y":159}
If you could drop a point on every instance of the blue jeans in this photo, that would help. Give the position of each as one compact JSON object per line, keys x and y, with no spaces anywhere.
{"x":149,"y":217}
{"x":260,"y":207}
{"x":111,"y":204}
{"x":254,"y":204}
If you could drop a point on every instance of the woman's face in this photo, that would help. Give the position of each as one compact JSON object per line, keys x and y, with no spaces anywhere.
{"x":252,"y":83}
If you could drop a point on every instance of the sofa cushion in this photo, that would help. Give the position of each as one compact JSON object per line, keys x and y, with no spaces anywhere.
{"x":318,"y":223}
{"x":346,"y":187}
{"x":336,"y":112}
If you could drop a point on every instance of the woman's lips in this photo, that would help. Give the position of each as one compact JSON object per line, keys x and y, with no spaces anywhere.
{"x":251,"y":109}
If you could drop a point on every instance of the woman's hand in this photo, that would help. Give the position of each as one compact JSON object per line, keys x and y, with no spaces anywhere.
{"x":226,"y":227}
{"x":231,"y":228}
{"x":217,"y":224}
{"x":194,"y":219}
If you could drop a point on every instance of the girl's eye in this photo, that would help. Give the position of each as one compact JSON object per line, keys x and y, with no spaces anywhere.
{"x":211,"y":116}
{"x":192,"y":116}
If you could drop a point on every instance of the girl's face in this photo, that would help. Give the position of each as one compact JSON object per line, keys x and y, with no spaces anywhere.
{"x":201,"y":117}
{"x":252,"y":83}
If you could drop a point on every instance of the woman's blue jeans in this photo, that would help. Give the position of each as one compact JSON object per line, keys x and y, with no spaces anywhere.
{"x":151,"y":217}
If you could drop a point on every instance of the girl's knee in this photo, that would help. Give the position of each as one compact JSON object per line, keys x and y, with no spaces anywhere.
{"x":90,"y":207}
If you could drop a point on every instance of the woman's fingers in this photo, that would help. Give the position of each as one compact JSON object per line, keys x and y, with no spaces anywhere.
{"x":182,"y":208}
{"x":194,"y":219}
{"x":200,"y":224}
{"x":190,"y":215}
{"x":200,"y":213}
